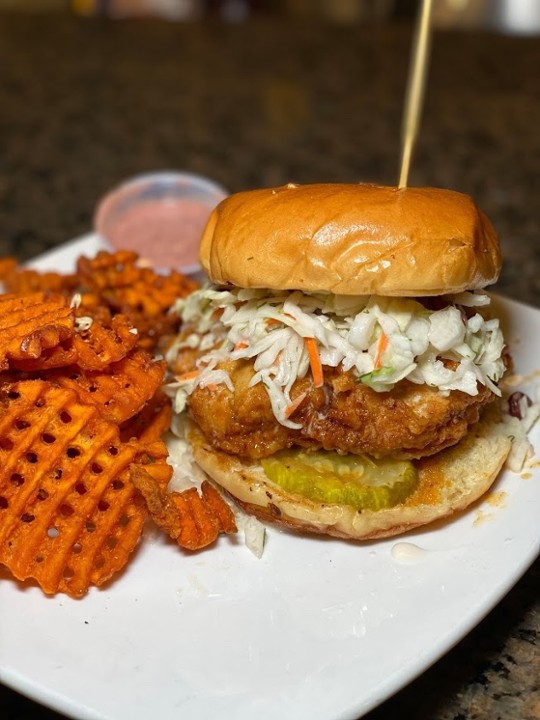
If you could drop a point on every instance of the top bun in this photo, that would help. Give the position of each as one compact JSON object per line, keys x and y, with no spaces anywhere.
{"x":351,"y":240}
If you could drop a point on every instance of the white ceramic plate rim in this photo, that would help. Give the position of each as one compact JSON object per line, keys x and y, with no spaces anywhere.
{"x":317,"y":628}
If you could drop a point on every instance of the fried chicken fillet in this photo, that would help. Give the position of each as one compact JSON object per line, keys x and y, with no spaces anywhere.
{"x":409,"y":421}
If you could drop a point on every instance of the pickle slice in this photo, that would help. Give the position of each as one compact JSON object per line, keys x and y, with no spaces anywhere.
{"x":356,"y":480}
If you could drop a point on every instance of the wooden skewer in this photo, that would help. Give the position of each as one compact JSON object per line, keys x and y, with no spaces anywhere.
{"x":415,"y":89}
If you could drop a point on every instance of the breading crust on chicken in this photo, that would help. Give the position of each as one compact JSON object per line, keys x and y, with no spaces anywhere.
{"x":409,"y":421}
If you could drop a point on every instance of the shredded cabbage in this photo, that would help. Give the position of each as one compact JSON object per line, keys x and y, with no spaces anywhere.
{"x":381,"y":340}
{"x":518,"y":426}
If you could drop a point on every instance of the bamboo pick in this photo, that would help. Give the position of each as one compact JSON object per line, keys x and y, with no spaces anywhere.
{"x":415,"y":89}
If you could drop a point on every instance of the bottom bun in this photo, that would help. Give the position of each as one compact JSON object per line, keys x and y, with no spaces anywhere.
{"x":448,"y":482}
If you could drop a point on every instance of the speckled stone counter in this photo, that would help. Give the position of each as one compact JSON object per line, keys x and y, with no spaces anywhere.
{"x":85,"y":104}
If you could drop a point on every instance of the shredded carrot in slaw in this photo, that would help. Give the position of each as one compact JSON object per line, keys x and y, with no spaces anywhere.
{"x":298,"y":400}
{"x":314,"y":361}
{"x":191,"y":375}
{"x":382,"y":344}
{"x":275,"y":321}
{"x":218,"y":312}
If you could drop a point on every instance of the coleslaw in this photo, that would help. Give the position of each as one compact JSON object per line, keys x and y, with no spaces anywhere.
{"x":381,"y":340}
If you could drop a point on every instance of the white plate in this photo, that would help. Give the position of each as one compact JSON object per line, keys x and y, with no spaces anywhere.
{"x":317,"y":629}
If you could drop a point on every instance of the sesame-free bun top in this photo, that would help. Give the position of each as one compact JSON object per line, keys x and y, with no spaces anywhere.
{"x":351,"y":240}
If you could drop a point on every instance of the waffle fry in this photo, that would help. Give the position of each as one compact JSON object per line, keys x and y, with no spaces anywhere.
{"x":81,"y":420}
{"x":108,"y":270}
{"x":32,"y":324}
{"x":217,"y":505}
{"x":153,"y":459}
{"x":69,"y":513}
{"x":152,"y":422}
{"x":23,"y":281}
{"x":194,"y":520}
{"x":136,"y":291}
{"x":122,"y":389}
{"x":92,"y":306}
{"x":92,"y":347}
{"x":111,"y":283}
{"x":98,"y":346}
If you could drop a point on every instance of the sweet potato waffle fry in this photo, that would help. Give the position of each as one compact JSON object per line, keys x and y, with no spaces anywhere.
{"x":24,"y":281}
{"x":32,"y":324}
{"x":117,"y":282}
{"x":91,"y":347}
{"x":122,"y":389}
{"x":82,"y":415}
{"x":152,"y":422}
{"x":69,"y":512}
{"x":98,"y":346}
{"x":136,"y":291}
{"x":193,"y":519}
{"x":107,"y":270}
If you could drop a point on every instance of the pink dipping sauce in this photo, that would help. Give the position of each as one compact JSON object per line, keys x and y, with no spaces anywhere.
{"x":167,"y":233}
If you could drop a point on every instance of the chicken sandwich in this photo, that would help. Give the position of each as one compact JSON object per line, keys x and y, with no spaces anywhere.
{"x":341,"y":370}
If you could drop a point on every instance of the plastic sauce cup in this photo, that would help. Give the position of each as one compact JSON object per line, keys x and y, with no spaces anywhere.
{"x":161,"y":216}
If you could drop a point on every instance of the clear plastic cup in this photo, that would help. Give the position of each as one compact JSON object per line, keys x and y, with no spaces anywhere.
{"x":161,"y":216}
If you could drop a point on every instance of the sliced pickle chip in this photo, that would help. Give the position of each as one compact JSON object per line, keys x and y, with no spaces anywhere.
{"x":356,"y":480}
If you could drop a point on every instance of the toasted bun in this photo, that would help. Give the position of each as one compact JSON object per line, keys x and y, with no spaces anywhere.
{"x":351,"y":240}
{"x":449,"y":482}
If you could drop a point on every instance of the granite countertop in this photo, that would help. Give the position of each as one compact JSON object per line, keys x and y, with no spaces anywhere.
{"x":85,"y":104}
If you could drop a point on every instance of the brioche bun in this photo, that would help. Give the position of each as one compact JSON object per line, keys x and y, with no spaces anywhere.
{"x":448,"y":482}
{"x":351,"y":240}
